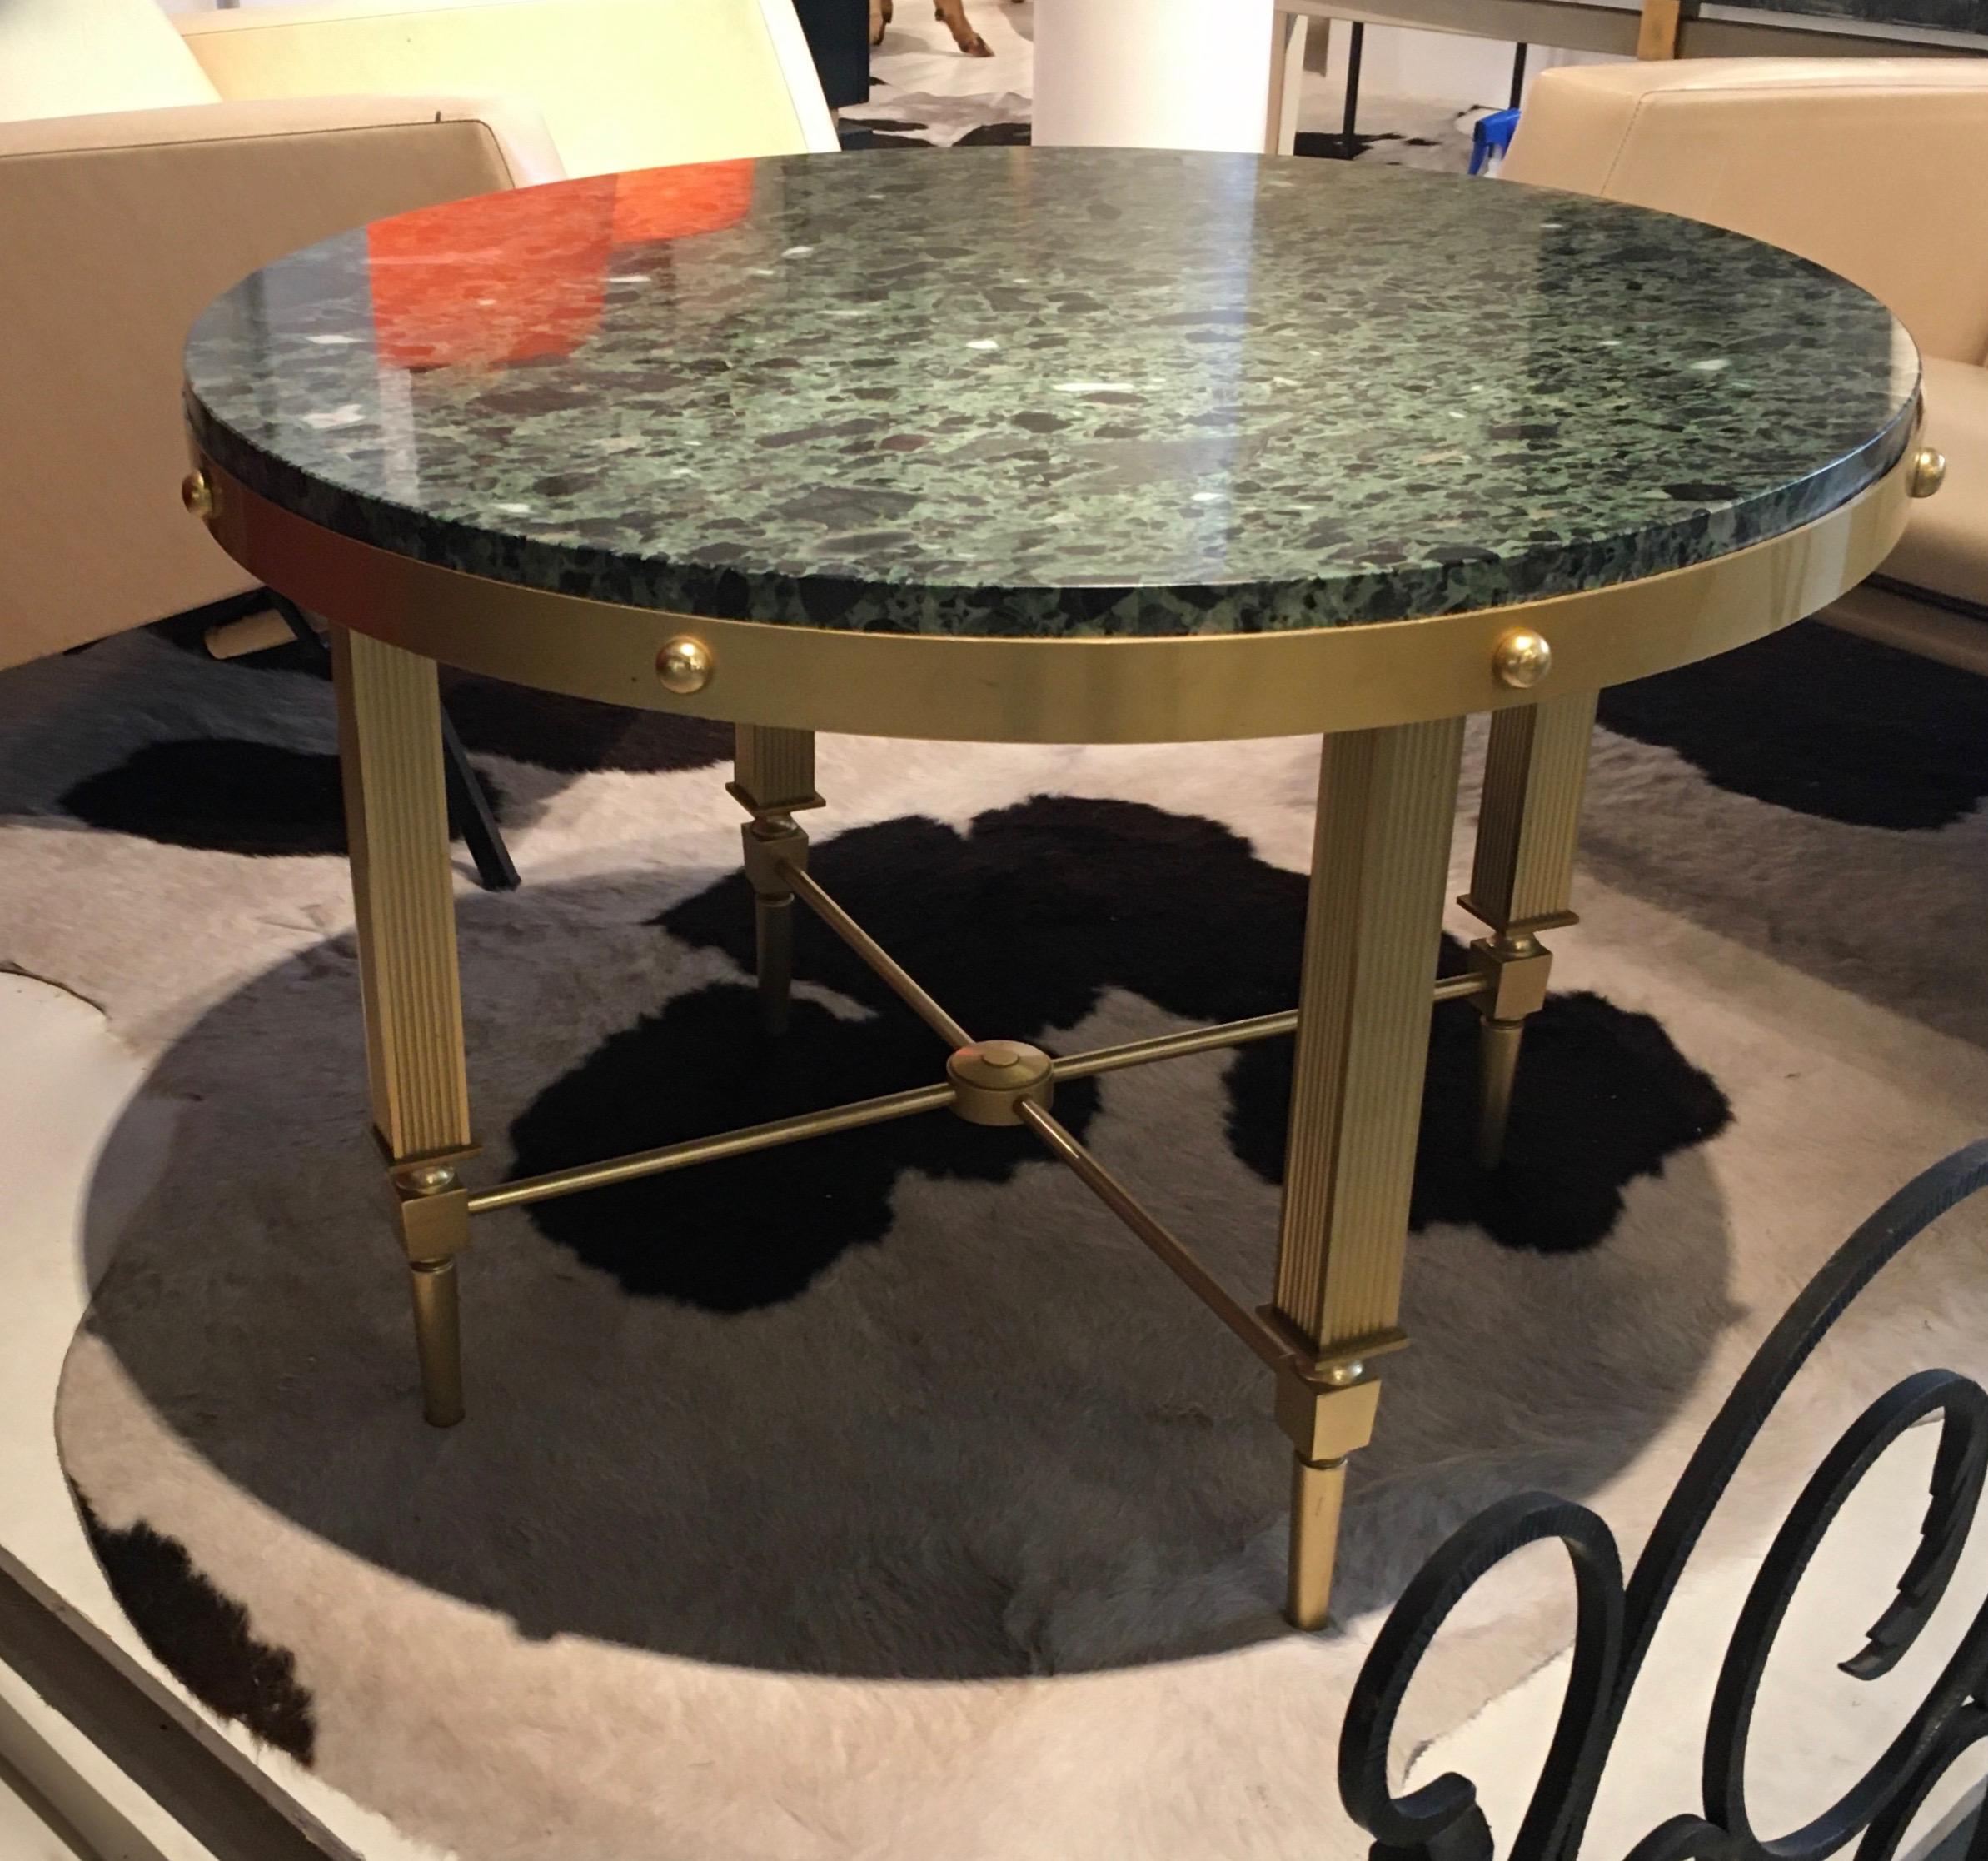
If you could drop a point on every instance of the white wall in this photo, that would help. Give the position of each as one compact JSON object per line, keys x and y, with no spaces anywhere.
{"x":1400,"y":61}
{"x":1192,"y":74}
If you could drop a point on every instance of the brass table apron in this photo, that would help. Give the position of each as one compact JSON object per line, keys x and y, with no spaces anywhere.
{"x":1188,"y":688}
{"x":1387,"y":700}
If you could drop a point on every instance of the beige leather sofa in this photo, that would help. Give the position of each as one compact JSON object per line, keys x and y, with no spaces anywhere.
{"x":146,"y":164}
{"x":1876,"y":168}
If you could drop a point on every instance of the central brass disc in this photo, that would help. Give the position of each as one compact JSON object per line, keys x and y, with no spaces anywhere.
{"x":991,"y":1077}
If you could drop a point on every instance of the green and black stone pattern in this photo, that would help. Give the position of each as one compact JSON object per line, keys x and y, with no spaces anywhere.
{"x":1051,"y":392}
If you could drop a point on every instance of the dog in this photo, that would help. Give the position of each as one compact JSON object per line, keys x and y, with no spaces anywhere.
{"x":952,"y":11}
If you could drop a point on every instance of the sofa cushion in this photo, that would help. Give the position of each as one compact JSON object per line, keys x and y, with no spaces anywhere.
{"x":1944,"y":549}
{"x":1865,"y":165}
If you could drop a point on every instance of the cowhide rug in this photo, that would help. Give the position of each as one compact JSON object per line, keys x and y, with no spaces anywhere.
{"x":879,"y":1497}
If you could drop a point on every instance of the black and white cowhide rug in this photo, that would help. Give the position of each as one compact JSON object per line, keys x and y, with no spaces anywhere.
{"x":879,"y":1497}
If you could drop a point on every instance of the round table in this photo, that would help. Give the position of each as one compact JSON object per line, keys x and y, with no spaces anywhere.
{"x":1070,"y":445}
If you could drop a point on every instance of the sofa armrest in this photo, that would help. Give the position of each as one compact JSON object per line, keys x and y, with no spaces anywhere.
{"x":518,"y":153}
{"x":1867,"y":166}
{"x":118,"y":230}
{"x":621,"y":84}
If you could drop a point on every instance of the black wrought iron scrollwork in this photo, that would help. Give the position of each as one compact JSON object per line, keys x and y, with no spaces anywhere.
{"x":1614,"y":1622}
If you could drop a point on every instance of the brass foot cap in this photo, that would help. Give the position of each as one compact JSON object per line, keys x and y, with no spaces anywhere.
{"x":1515,"y":970}
{"x":991,"y":1077}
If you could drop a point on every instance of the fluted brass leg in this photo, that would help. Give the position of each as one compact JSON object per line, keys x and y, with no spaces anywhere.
{"x":403,"y":897}
{"x":1522,"y":879}
{"x":1387,"y":799}
{"x":774,"y":777}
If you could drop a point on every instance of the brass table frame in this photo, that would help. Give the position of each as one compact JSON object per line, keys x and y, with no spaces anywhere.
{"x":1388,"y":702}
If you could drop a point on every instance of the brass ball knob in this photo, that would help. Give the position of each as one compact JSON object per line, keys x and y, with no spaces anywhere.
{"x":1521,"y":659}
{"x":198,"y":495}
{"x":684,"y":665}
{"x":1929,"y":471}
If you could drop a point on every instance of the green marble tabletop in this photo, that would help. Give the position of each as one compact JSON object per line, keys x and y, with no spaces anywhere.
{"x":1016,"y":393}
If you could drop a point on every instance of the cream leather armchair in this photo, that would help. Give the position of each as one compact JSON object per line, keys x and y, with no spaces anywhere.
{"x":620,"y":84}
{"x":145,"y":166}
{"x":1878,"y":169}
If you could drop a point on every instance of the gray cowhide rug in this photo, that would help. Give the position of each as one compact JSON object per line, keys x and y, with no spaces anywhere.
{"x":879,"y":1497}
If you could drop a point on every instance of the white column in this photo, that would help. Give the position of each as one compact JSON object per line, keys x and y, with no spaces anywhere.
{"x":1153,"y":73}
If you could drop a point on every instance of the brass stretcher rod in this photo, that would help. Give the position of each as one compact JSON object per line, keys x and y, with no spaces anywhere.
{"x":1252,"y":1329}
{"x":1223,"y":1034}
{"x":1248,"y":1325}
{"x":890,"y":970}
{"x":710,"y":1149}
{"x":1104,"y":1060}
{"x":1274,"y":1350}
{"x":1265,"y":1339}
{"x":743,"y":1142}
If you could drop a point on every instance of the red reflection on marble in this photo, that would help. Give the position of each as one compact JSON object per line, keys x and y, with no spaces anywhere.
{"x":678,"y":203}
{"x":517,"y":277}
{"x":499,"y":279}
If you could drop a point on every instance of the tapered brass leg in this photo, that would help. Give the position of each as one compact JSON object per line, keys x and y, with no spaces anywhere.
{"x":1380,"y":854}
{"x":1498,"y":1072}
{"x":1521,"y":882}
{"x":403,"y":897}
{"x":774,"y":772}
{"x":1318,"y":1492}
{"x":438,"y":1339}
{"x":773,"y":944}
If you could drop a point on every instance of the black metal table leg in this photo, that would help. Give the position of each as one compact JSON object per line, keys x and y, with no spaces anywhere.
{"x":1350,"y":123}
{"x":469,"y":801}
